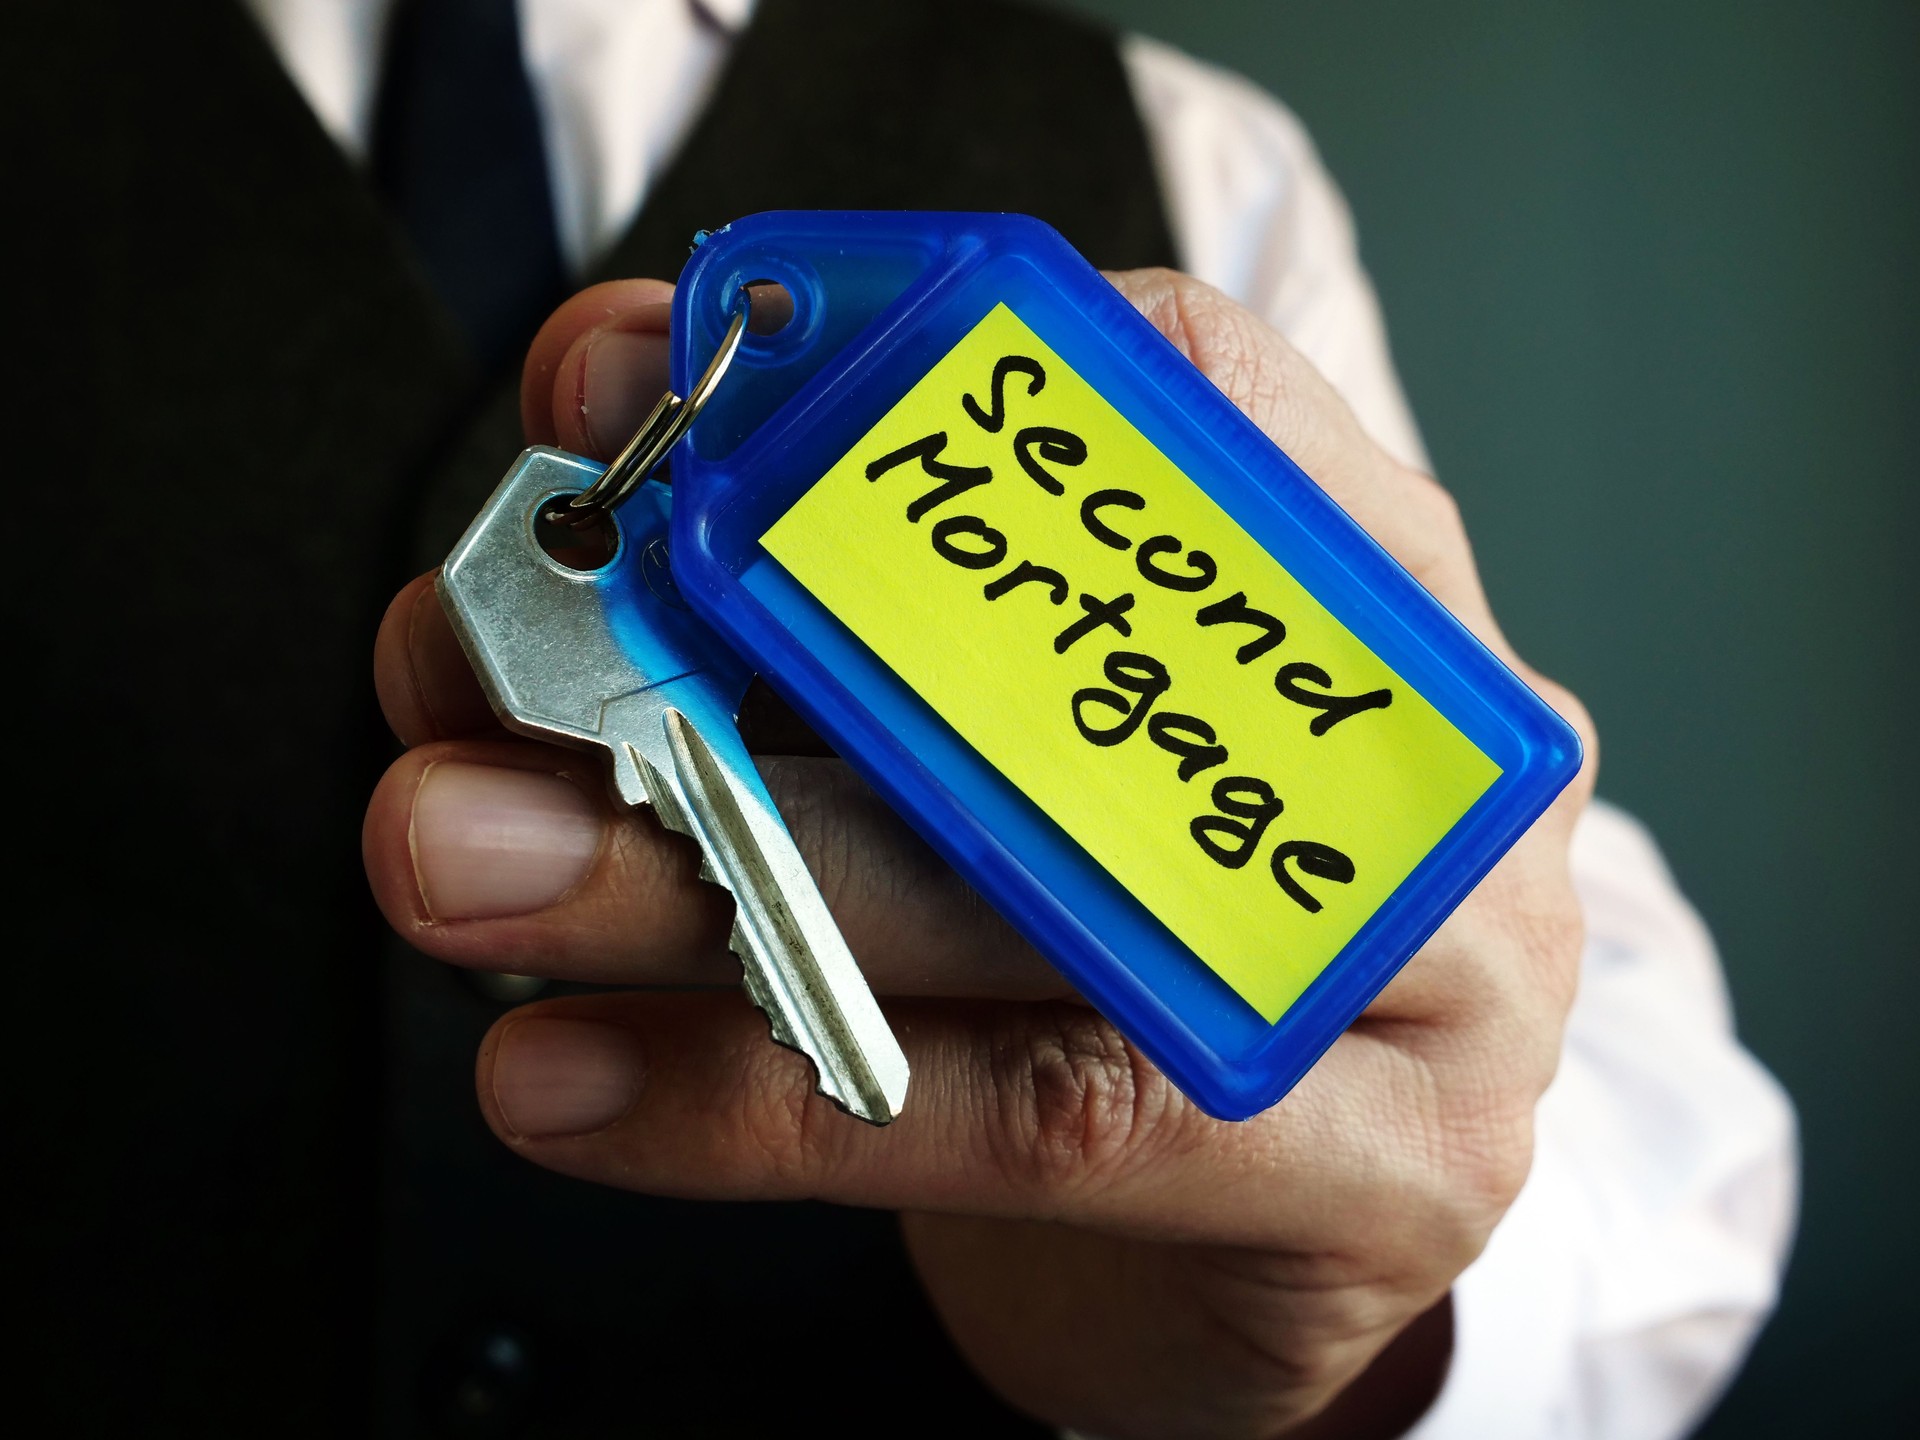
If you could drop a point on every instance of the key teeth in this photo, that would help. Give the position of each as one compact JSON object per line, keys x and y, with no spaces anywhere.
{"x":782,"y":1035}
{"x":756,"y":991}
{"x":666,"y":805}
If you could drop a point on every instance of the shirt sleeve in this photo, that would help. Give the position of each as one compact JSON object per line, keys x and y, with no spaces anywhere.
{"x":1619,"y":1294}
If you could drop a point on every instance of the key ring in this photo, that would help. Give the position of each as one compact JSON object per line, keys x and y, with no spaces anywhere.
{"x":657,"y":434}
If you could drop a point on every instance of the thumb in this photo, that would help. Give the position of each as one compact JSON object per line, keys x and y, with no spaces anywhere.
{"x":597,"y":367}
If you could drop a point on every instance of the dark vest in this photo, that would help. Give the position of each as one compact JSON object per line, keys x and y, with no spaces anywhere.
{"x":239,"y":421}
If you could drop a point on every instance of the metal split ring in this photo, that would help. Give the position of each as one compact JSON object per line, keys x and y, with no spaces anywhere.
{"x":657,"y":434}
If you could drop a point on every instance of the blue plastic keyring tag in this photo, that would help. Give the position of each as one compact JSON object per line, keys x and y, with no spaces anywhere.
{"x":1159,"y":699}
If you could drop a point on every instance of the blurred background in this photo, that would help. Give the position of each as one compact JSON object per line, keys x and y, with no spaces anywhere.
{"x":1649,"y":271}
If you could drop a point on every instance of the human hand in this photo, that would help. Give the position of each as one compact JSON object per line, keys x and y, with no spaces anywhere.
{"x":1106,"y":1255}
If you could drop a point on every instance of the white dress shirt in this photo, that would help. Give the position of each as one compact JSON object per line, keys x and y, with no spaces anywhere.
{"x":1620,"y":1293}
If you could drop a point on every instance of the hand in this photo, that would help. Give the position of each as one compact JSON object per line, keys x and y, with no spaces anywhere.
{"x":1107,"y":1256}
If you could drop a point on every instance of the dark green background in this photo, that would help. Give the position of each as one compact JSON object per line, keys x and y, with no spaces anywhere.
{"x":1649,"y":271}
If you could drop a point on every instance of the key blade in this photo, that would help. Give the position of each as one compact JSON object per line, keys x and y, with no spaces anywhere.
{"x":797,"y":967}
{"x":614,"y":659}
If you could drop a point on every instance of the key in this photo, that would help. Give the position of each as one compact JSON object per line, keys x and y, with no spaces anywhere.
{"x":613,"y":659}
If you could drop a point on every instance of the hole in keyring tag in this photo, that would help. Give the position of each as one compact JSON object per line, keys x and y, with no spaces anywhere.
{"x":587,"y":548}
{"x":771,"y":309}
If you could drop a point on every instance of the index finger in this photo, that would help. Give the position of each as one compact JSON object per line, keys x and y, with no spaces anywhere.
{"x":597,"y":367}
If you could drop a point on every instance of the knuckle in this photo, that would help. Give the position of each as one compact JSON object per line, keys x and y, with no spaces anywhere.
{"x":1167,"y":299}
{"x":1525,"y":974}
{"x":1490,"y":988}
{"x":1536,"y":935}
{"x":1484,"y":1166}
{"x":1435,"y":539}
{"x":779,"y":1116}
{"x":1079,"y":1104}
{"x":1554,"y":934}
{"x":1477,"y":1145}
{"x":1438,"y":509}
{"x":1251,"y":362}
{"x":1242,"y":355}
{"x":1455,"y":1150}
{"x":1492,"y":1072}
{"x":1574,"y":711}
{"x":1416,"y":518}
{"x":1514,"y":974}
{"x":814,"y":801}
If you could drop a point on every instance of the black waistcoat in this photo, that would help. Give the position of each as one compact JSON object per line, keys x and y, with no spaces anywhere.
{"x":239,"y":422}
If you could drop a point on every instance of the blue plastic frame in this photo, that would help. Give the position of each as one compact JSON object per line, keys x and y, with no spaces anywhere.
{"x":879,"y":297}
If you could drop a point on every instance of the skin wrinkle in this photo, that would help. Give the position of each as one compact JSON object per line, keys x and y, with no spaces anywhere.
{"x":778,"y":1120}
{"x":818,"y":799}
{"x":818,"y":816}
{"x":1480,"y":1161}
{"x":653,"y":859}
{"x":1278,"y":1375}
{"x":1088,"y":1103}
{"x":1269,"y":1406}
{"x":633,"y":851}
{"x":1229,"y":1274}
{"x":807,"y":809}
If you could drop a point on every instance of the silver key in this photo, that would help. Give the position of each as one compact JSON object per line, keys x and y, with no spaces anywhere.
{"x":613,"y":659}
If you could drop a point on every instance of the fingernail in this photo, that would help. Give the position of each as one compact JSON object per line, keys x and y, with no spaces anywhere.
{"x":621,"y":380}
{"x":564,"y":1077}
{"x":489,"y":841}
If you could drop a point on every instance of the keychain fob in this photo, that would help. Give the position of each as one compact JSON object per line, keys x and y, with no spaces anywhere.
{"x":1209,"y":748}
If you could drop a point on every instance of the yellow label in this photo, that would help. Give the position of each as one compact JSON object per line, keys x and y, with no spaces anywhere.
{"x":1097,"y":628}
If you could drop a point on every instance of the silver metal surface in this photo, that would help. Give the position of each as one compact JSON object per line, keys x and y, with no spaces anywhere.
{"x":612,"y":659}
{"x":658,"y":433}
